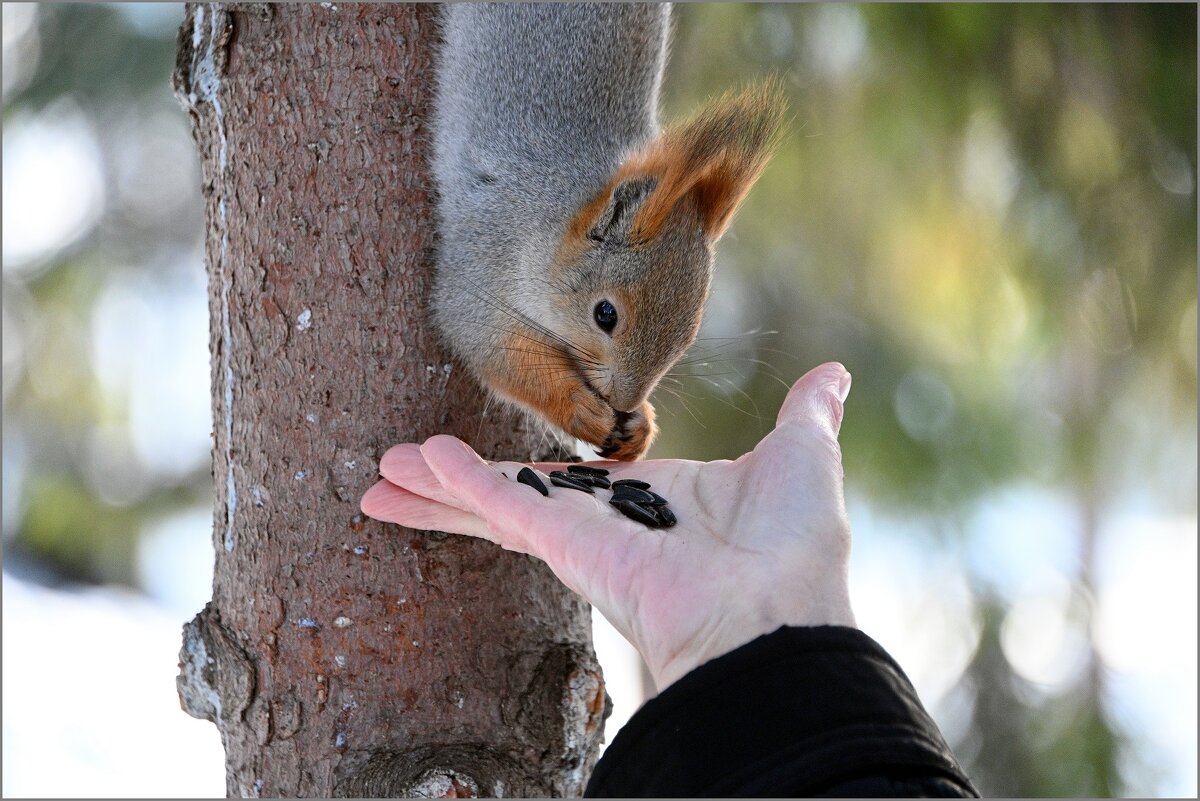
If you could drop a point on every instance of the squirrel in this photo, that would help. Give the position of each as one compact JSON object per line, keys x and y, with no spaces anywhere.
{"x":576,"y":237}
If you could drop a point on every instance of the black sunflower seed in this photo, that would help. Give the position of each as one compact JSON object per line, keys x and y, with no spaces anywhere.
{"x":591,"y":481}
{"x":658,"y":500}
{"x":633,"y":494}
{"x":635,"y":512}
{"x":563,"y":480}
{"x":666,"y":518}
{"x":583,"y":469}
{"x":530,"y":479}
{"x":631,"y":482}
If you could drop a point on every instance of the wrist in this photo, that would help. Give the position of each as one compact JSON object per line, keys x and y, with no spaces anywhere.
{"x":833,"y":610}
{"x":822,"y":600}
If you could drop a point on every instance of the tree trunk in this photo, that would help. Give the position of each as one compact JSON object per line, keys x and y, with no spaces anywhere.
{"x":340,"y":656}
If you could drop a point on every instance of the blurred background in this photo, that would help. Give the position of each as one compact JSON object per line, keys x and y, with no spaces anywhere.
{"x":988,"y":213}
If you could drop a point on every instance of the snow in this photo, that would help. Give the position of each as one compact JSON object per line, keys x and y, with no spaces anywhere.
{"x":90,"y":708}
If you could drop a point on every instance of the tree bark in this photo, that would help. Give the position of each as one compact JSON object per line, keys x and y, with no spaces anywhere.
{"x":340,"y":656}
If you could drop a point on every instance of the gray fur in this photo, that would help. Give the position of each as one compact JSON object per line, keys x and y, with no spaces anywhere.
{"x":536,"y":106}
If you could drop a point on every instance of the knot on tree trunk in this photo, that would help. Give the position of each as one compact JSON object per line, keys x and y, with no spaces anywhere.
{"x":564,"y":707}
{"x":216,"y":678}
{"x":558,"y":717}
{"x":567,"y":694}
{"x":454,"y":770}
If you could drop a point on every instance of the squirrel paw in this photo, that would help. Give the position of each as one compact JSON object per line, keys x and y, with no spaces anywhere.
{"x":631,"y":435}
{"x":592,"y":420}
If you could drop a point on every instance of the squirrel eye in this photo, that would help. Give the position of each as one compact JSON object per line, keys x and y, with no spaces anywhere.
{"x":606,"y":316}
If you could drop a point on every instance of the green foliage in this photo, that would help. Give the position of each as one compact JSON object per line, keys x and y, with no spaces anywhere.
{"x":977,"y":196}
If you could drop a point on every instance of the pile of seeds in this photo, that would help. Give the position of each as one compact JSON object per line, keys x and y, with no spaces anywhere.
{"x":630,"y":497}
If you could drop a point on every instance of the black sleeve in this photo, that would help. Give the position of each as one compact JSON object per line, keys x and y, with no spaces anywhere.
{"x":798,"y":712}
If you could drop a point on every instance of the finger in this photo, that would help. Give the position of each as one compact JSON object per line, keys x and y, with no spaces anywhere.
{"x":393,"y":460}
{"x":404,"y":466}
{"x":817,"y":397}
{"x":520,"y":518}
{"x":391,"y":504}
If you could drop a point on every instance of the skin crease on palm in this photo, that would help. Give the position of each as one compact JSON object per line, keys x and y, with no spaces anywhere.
{"x":761,"y":542}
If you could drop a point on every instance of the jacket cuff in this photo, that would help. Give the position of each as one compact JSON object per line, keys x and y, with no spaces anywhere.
{"x":798,"y":712}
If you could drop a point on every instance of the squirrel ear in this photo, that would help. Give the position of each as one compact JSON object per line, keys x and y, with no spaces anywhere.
{"x":625,"y":200}
{"x":709,"y":160}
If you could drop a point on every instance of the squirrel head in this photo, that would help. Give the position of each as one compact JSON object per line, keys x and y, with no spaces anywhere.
{"x":631,"y":278}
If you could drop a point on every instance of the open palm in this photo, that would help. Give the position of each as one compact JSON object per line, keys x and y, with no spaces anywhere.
{"x":761,"y":541}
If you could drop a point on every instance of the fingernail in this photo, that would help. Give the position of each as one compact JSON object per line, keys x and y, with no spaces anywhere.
{"x":844,"y":386}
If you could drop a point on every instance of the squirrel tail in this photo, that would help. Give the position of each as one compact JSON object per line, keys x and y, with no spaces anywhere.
{"x":711,"y":159}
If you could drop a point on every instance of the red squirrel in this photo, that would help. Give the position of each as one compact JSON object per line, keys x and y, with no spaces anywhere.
{"x":576,"y":236}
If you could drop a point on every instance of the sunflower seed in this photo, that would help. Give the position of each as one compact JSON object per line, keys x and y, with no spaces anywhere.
{"x":666,"y":518}
{"x":591,"y":481}
{"x":633,"y":494}
{"x":658,"y":500}
{"x":530,"y":479}
{"x":563,"y":480}
{"x":631,"y":482}
{"x":635,"y":512}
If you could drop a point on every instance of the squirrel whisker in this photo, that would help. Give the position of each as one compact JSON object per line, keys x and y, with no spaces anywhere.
{"x":756,"y":414}
{"x":678,"y":395}
{"x":520,"y":316}
{"x":547,"y":348}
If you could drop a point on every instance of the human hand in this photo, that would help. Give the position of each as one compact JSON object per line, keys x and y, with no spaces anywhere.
{"x":761,"y":542}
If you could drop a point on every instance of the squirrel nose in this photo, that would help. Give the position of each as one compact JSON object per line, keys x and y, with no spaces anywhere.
{"x":625,"y":396}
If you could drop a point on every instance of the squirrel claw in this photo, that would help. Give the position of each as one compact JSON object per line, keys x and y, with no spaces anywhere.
{"x":625,"y":436}
{"x":631,"y":435}
{"x":592,"y":420}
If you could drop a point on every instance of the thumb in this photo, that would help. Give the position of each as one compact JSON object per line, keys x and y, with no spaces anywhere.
{"x":817,"y":397}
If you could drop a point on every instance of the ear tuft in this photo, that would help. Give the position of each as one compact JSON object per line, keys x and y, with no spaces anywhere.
{"x":711,"y":159}
{"x":625,"y":200}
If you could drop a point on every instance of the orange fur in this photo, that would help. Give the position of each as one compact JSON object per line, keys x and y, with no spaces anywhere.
{"x":575,"y":242}
{"x":710,"y":159}
{"x":543,"y":379}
